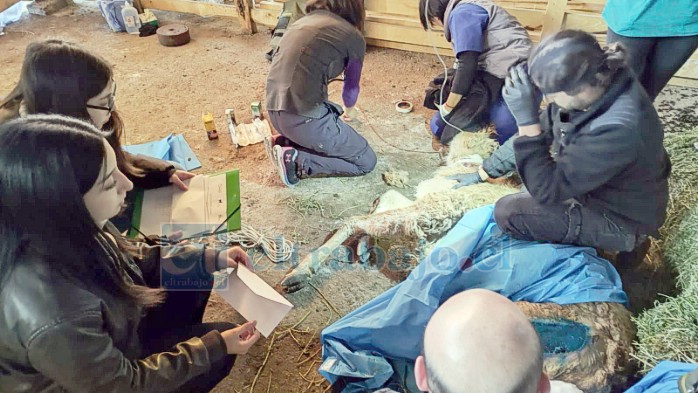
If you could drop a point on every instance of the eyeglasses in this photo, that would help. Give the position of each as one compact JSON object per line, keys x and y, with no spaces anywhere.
{"x":110,"y":103}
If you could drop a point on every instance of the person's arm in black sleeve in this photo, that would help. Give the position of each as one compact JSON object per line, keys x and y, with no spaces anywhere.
{"x":154,"y":173}
{"x":465,"y":72}
{"x":588,"y":163}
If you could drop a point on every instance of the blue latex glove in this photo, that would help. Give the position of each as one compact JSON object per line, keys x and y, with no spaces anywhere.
{"x":520,"y":96}
{"x":466,"y":179}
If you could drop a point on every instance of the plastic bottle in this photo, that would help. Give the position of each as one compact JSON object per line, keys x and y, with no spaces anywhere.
{"x":210,"y":126}
{"x":131,"y":19}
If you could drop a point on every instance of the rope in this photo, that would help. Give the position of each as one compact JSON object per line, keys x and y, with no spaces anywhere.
{"x":277,"y":249}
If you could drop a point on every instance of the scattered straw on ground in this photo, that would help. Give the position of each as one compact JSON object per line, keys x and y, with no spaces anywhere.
{"x":669,"y":331}
{"x":399,"y":179}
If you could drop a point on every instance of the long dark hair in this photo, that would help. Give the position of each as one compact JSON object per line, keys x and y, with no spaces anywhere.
{"x":59,"y":77}
{"x":569,"y":60}
{"x":351,"y":10}
{"x":436,"y":10}
{"x":47,"y":164}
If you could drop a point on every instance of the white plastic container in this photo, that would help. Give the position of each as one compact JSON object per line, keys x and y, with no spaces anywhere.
{"x":131,"y":19}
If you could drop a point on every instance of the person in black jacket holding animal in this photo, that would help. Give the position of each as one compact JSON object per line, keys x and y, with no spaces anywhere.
{"x":593,"y":162}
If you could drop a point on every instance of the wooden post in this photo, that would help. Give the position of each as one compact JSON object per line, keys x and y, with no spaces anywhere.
{"x":138,"y":6}
{"x":554,"y":17}
{"x":245,"y":9}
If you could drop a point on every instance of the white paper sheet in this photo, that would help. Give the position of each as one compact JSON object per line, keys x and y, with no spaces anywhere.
{"x":255,"y":300}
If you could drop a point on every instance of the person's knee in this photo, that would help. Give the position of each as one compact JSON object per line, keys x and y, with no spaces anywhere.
{"x":368,"y":161}
{"x":503,"y":211}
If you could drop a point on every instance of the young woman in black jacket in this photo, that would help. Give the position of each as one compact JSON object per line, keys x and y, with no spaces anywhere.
{"x":77,"y":298}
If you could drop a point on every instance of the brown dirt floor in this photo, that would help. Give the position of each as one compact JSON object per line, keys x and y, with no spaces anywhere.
{"x":165,"y":90}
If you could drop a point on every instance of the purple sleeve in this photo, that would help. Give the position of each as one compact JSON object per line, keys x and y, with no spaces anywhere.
{"x":352,"y":77}
{"x":468,"y":23}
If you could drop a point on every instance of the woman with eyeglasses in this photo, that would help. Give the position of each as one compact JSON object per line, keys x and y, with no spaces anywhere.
{"x":62,"y":78}
{"x":79,"y":301}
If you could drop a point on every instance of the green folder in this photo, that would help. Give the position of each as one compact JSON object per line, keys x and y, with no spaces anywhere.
{"x":213,"y":201}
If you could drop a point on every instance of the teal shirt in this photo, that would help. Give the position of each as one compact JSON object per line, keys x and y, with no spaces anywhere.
{"x":652,"y":18}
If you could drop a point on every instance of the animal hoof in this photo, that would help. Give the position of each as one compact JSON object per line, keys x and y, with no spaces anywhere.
{"x":295,"y":281}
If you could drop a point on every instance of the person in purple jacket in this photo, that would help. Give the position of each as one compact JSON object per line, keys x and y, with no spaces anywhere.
{"x":315,"y":140}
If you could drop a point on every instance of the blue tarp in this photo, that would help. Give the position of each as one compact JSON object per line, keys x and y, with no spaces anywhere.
{"x":663,"y":379}
{"x":474,"y":254}
{"x":172,"y":148}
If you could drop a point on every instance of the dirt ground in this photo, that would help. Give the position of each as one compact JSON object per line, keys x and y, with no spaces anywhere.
{"x":165,"y":90}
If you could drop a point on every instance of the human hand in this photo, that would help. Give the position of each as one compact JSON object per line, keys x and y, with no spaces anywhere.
{"x":350,"y":114}
{"x":232,"y":257}
{"x":465,"y":179}
{"x":178,"y":177}
{"x":239,"y":340}
{"x":444,"y":110}
{"x":520,"y":95}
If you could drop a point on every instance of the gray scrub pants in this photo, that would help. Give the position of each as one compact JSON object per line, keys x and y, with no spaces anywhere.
{"x":326,"y":146}
{"x":655,"y":60}
{"x":521,"y":217}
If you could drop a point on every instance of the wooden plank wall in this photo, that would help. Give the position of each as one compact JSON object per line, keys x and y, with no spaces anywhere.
{"x":395,"y":24}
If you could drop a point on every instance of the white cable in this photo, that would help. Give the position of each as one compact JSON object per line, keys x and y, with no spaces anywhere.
{"x":277,"y":249}
{"x":441,"y":60}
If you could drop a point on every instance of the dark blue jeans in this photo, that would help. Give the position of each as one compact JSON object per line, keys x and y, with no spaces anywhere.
{"x":521,"y":217}
{"x":499,"y":115}
{"x":326,"y":146}
{"x":655,"y":60}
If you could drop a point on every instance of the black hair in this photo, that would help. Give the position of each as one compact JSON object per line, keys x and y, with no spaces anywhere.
{"x":59,"y":77}
{"x":435,"y":10}
{"x":47,"y":164}
{"x":350,"y":10}
{"x":569,"y":60}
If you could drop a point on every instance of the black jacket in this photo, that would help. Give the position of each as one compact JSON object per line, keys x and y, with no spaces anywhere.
{"x":57,"y":335}
{"x":610,"y":157}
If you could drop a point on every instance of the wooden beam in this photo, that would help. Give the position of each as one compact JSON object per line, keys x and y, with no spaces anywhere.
{"x":591,"y":23}
{"x":265,"y":17}
{"x":408,"y":47}
{"x":192,"y":7}
{"x":404,"y":34}
{"x":554,"y":17}
{"x":5,"y":4}
{"x":396,"y":7}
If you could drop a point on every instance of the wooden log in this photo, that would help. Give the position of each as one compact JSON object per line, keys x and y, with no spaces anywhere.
{"x":192,"y":7}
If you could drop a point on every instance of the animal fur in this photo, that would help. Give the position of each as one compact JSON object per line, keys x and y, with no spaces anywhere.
{"x":604,"y":363}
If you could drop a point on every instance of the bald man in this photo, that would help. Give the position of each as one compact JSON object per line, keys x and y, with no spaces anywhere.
{"x":480,"y":342}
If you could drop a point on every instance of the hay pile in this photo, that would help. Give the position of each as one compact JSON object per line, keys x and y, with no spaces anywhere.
{"x":669,"y":331}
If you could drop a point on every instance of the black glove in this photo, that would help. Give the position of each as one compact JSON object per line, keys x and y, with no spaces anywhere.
{"x":466,"y":179}
{"x":520,"y":96}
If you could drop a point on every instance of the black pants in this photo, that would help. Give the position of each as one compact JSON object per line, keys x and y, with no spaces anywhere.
{"x":521,"y":217}
{"x":179,"y":319}
{"x":655,"y":60}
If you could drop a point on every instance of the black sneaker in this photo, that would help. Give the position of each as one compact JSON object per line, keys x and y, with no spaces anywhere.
{"x":286,"y":164}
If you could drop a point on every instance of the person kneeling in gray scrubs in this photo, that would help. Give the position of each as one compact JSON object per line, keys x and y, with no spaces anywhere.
{"x":315,"y":140}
